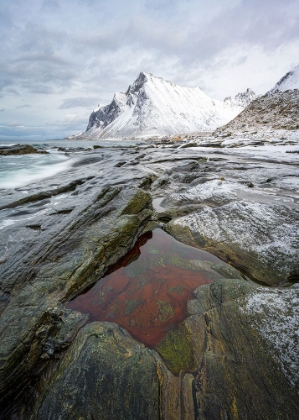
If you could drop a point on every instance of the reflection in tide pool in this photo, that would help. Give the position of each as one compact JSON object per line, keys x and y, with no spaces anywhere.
{"x":147,"y":292}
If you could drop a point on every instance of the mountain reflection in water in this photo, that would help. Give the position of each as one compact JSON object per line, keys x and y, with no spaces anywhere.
{"x":148,"y":290}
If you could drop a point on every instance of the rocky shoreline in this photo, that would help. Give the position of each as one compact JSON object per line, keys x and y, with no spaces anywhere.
{"x":236,"y":353}
{"x":19,"y":149}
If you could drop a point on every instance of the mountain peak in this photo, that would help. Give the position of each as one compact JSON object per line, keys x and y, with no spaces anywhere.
{"x":138,"y":84}
{"x":289,"y":81}
{"x":154,"y":106}
{"x":241,"y":100}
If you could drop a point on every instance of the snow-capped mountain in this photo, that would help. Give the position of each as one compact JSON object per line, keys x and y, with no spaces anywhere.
{"x":289,"y":81}
{"x":275,"y":111}
{"x":241,"y":99}
{"x":154,"y":106}
{"x":98,"y":107}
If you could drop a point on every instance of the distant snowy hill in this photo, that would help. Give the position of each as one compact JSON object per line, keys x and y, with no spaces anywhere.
{"x":271,"y":113}
{"x":154,"y":106}
{"x":289,"y":81}
{"x":241,"y":100}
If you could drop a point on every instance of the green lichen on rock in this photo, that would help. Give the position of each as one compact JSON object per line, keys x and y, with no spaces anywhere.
{"x":18,"y":149}
{"x":132,"y":304}
{"x":105,"y":375}
{"x":137,"y":203}
{"x":165,"y":310}
{"x":176,"y":350}
{"x":177,"y":289}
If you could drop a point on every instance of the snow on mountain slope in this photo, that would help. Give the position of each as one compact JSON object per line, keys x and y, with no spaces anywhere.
{"x":154,"y":106}
{"x":241,"y":99}
{"x":271,"y":116}
{"x":98,"y":107}
{"x":289,"y":81}
{"x":272,"y":111}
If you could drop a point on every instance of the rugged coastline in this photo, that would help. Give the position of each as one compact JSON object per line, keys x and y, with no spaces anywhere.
{"x":224,"y":360}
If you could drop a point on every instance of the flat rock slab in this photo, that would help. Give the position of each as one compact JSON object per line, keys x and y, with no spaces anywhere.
{"x":257,"y":238}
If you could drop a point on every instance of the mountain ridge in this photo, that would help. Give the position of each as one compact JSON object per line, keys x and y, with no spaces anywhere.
{"x":289,"y":81}
{"x":277,"y":110}
{"x":155,"y":106}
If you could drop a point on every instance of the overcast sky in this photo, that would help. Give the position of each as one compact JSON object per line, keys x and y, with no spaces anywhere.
{"x":59,"y":59}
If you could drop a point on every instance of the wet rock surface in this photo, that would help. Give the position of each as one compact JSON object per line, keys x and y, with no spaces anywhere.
{"x":104,"y":375}
{"x":238,"y":206}
{"x":18,"y":149}
{"x":238,"y":375}
{"x":224,"y":360}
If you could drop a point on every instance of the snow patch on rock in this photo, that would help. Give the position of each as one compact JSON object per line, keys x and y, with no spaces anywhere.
{"x":215,"y":190}
{"x":278,"y":324}
{"x":98,"y":107}
{"x":272,"y":232}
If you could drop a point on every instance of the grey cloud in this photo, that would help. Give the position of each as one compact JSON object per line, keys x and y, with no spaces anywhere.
{"x":82,"y":102}
{"x":11,"y":90}
{"x":38,"y":73}
{"x":37,"y":61}
{"x":24,"y":106}
{"x":193,"y":45}
{"x":2,"y":109}
{"x":6,"y":20}
{"x":168,"y":6}
{"x":137,"y":33}
{"x":39,"y":88}
{"x":89,"y":49}
{"x":15,"y":124}
{"x":253,"y":22}
{"x":50,"y":6}
{"x":37,"y":39}
{"x":240,"y":60}
{"x":44,"y":58}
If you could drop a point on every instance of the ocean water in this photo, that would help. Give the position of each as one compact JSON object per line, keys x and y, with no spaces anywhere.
{"x":19,"y":171}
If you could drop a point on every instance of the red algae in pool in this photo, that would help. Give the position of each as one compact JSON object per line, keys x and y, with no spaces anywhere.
{"x":148,"y":290}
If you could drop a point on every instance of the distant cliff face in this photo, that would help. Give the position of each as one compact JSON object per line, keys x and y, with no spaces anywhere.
{"x":106,"y":114}
{"x":154,"y":106}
